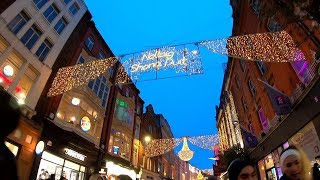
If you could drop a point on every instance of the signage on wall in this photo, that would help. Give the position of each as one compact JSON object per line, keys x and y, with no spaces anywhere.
{"x":39,"y":147}
{"x":74,"y":154}
{"x":85,"y":123}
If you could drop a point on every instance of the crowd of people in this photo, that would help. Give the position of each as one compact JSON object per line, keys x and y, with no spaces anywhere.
{"x":293,"y":162}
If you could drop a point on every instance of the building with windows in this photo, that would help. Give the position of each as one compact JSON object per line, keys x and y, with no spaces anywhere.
{"x":31,"y":38}
{"x":250,"y":83}
{"x":73,"y":122}
{"x":167,"y":162}
{"x":150,"y":166}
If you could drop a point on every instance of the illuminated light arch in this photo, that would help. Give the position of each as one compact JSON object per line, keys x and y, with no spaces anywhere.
{"x":181,"y":60}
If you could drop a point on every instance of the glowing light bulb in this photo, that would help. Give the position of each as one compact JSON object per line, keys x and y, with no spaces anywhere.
{"x":75,"y":101}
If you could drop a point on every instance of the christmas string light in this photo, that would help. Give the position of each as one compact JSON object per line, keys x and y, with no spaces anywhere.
{"x":71,"y":77}
{"x":160,"y":146}
{"x":185,"y":153}
{"x":269,"y":47}
{"x":205,"y":142}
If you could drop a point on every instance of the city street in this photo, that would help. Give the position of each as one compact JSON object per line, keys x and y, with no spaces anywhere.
{"x":160,"y":90}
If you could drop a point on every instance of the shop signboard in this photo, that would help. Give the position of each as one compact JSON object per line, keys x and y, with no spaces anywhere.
{"x":308,"y":140}
{"x":85,"y":123}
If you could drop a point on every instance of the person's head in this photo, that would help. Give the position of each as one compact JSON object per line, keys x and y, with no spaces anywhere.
{"x":10,"y":111}
{"x":315,"y":165}
{"x":242,"y":170}
{"x":294,"y":164}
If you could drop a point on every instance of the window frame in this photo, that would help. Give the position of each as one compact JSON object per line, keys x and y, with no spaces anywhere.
{"x":74,"y":6}
{"x":47,"y":45}
{"x":55,"y":11}
{"x":23,"y":16}
{"x":89,"y":42}
{"x":35,"y":30}
{"x":64,"y":22}
{"x":252,"y":88}
{"x":37,"y":3}
{"x":262,"y":67}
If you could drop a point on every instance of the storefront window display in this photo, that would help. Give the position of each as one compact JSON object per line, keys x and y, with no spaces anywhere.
{"x":52,"y":166}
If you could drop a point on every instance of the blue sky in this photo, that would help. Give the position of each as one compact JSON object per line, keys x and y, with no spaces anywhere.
{"x":188,"y":103}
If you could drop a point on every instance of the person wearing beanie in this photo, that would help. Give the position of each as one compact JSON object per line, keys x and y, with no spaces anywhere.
{"x":242,"y":170}
{"x":10,"y":114}
{"x":295,"y":164}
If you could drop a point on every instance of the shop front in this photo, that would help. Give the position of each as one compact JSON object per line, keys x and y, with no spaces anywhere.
{"x":64,"y":154}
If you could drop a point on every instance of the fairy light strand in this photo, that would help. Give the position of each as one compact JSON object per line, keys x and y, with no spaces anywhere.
{"x":206,"y":141}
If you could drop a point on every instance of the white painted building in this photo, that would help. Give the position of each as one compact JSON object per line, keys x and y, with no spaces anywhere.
{"x":32,"y":34}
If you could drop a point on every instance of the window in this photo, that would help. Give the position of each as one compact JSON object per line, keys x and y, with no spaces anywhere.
{"x":101,"y":55}
{"x":273,"y":25}
{"x":4,"y":44}
{"x":262,"y":67}
{"x":51,"y":13}
{"x":124,"y":113}
{"x":26,"y":82}
{"x":242,"y":65}
{"x":40,"y":3}
{"x":10,"y":69}
{"x":44,"y":49}
{"x":18,"y":22}
{"x":89,"y":43}
{"x":252,"y":88}
{"x":110,"y":71}
{"x":237,"y":82}
{"x":31,"y":36}
{"x":74,"y":8}
{"x":13,"y":148}
{"x":81,"y":60}
{"x":66,"y":1}
{"x":61,"y":24}
{"x":256,"y":6}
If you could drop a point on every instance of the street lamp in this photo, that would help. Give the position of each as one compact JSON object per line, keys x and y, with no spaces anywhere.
{"x":147,"y":139}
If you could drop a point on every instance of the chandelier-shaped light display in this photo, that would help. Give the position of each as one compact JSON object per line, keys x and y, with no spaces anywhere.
{"x":160,"y":146}
{"x":179,"y":60}
{"x":206,"y":141}
{"x":71,"y":77}
{"x":185,"y":153}
{"x":200,"y":176}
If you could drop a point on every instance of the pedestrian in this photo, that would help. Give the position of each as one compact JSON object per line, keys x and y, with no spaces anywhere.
{"x":242,"y":170}
{"x":295,"y":164}
{"x":315,"y":171}
{"x":10,"y":114}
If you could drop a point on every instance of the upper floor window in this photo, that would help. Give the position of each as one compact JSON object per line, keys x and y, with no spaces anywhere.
{"x":110,"y":71}
{"x":26,"y":82}
{"x":81,"y":60}
{"x":302,"y":70}
{"x":40,"y":3}
{"x":44,"y":49}
{"x":10,"y":68}
{"x":31,"y":36}
{"x":244,"y":105}
{"x":263,"y":120}
{"x":89,"y":43}
{"x":242,"y":65}
{"x":252,"y":88}
{"x":262,"y":67}
{"x":18,"y":22}
{"x":124,"y":113}
{"x":101,"y":55}
{"x":237,"y":82}
{"x":74,"y":8}
{"x":61,"y":24}
{"x":51,"y":13}
{"x":66,"y":1}
{"x":256,"y":6}
{"x":273,"y":25}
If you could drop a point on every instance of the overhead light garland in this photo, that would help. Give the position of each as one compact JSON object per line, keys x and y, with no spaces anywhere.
{"x":71,"y":77}
{"x":185,"y":153}
{"x":205,"y":142}
{"x":269,"y":47}
{"x":185,"y":59}
{"x":160,"y":146}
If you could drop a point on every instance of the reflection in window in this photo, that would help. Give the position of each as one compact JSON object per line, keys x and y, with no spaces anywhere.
{"x":124,"y":113}
{"x":85,"y":113}
{"x":25,"y":83}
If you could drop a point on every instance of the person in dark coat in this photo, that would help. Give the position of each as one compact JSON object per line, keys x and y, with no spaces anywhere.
{"x":242,"y":170}
{"x":315,"y":171}
{"x":10,"y":114}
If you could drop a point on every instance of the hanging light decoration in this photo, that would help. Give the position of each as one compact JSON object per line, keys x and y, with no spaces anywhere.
{"x":185,"y":153}
{"x":160,"y":146}
{"x":71,"y":77}
{"x":206,"y":141}
{"x":185,"y":59}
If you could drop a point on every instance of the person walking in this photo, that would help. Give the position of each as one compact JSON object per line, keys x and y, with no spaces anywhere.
{"x":242,"y":170}
{"x":315,"y":171}
{"x":10,"y":114}
{"x":295,"y":164}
